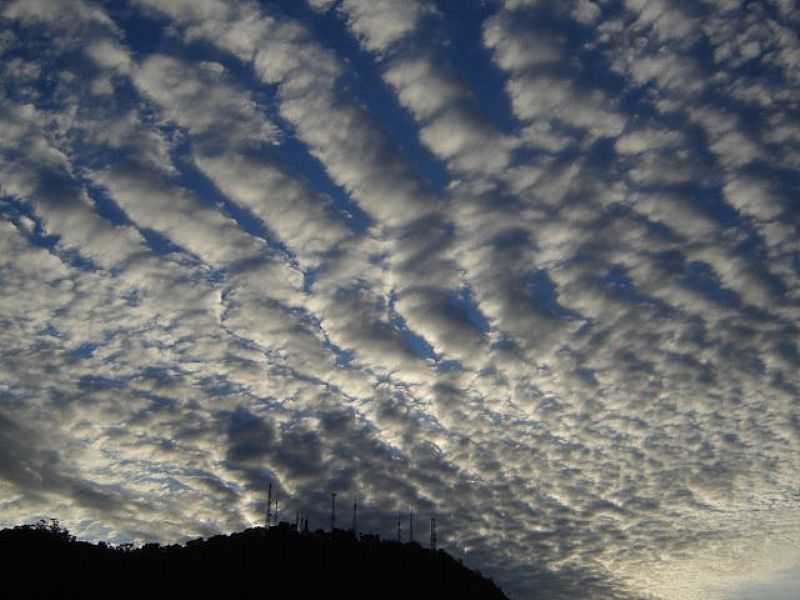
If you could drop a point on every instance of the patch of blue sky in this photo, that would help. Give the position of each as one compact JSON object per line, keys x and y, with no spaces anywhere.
{"x":584,"y":63}
{"x":157,"y":242}
{"x":343,"y":356}
{"x":296,"y":160}
{"x":711,"y":203}
{"x":99,"y":382}
{"x":416,"y":343}
{"x":37,"y":48}
{"x":144,"y":33}
{"x":753,"y":249}
{"x":50,"y":330}
{"x":145,"y":36}
{"x":464,"y":49}
{"x":205,"y":192}
{"x":363,"y":83}
{"x":219,"y":385}
{"x":162,"y":245}
{"x":106,"y":207}
{"x":16,"y":211}
{"x":601,"y":155}
{"x":290,"y":155}
{"x":619,"y":283}
{"x":160,"y":375}
{"x":504,"y":344}
{"x":616,"y":282}
{"x":700,"y":277}
{"x":463,"y":304}
{"x":449,"y":366}
{"x":543,"y":294}
{"x":83,"y":351}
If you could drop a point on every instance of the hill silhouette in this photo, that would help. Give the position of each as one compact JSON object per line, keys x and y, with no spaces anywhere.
{"x":45,"y":561}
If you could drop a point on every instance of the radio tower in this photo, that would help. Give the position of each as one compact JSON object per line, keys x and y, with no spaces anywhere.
{"x":276,"y":508}
{"x":399,"y":528}
{"x":355,"y":518}
{"x":433,"y":534}
{"x":269,"y":507}
{"x":333,"y":511}
{"x":411,"y":527}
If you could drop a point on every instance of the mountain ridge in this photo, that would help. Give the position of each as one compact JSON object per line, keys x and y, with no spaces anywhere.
{"x":254,"y":563}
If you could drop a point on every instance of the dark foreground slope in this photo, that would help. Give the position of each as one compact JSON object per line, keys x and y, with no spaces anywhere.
{"x":46,"y":562}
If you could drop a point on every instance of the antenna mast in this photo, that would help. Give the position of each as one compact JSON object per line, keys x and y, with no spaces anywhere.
{"x":399,"y":528}
{"x":433,"y":533}
{"x":269,"y":507}
{"x":355,"y":518}
{"x":411,"y":527}
{"x":333,"y":511}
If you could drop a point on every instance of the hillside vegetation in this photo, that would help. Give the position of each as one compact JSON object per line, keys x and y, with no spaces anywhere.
{"x":47,"y":562}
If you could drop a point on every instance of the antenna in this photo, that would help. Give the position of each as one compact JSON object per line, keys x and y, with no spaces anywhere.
{"x":399,"y":528}
{"x":305,"y":524}
{"x":269,"y":507}
{"x":433,"y":534}
{"x":411,"y":527}
{"x":297,"y":520}
{"x":276,"y":508}
{"x":355,"y":518}
{"x":333,"y":511}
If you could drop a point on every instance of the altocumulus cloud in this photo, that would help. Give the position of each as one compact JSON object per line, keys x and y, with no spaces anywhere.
{"x":529,"y":266}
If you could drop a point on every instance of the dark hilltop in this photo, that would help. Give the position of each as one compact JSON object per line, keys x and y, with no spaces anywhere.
{"x":283,"y":561}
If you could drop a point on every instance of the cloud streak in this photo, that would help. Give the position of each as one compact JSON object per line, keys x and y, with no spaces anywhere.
{"x":528,"y":266}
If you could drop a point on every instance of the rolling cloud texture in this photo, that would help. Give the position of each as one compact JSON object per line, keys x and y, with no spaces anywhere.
{"x":531,"y":266}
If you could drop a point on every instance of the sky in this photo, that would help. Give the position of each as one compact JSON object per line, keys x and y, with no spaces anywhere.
{"x":531,"y":267}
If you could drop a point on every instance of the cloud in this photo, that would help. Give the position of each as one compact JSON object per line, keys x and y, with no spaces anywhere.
{"x":532,"y":270}
{"x":41,"y":173}
{"x":781,"y":588}
{"x":206,"y":104}
{"x":382,"y":23}
{"x":41,"y":472}
{"x":199,"y":97}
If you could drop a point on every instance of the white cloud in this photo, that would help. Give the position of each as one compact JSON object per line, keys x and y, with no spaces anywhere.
{"x":753,"y":197}
{"x":107,"y":54}
{"x":322,"y":5}
{"x":302,"y":220}
{"x":199,"y":98}
{"x":423,"y":88}
{"x":380,"y":23}
{"x":33,"y":169}
{"x":516,"y":49}
{"x":452,"y":130}
{"x":580,"y":338}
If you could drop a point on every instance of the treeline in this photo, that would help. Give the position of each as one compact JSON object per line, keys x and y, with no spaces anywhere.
{"x":45,"y":561}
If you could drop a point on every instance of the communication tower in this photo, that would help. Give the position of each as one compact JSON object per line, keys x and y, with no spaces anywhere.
{"x":268,"y":521}
{"x":399,"y":527}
